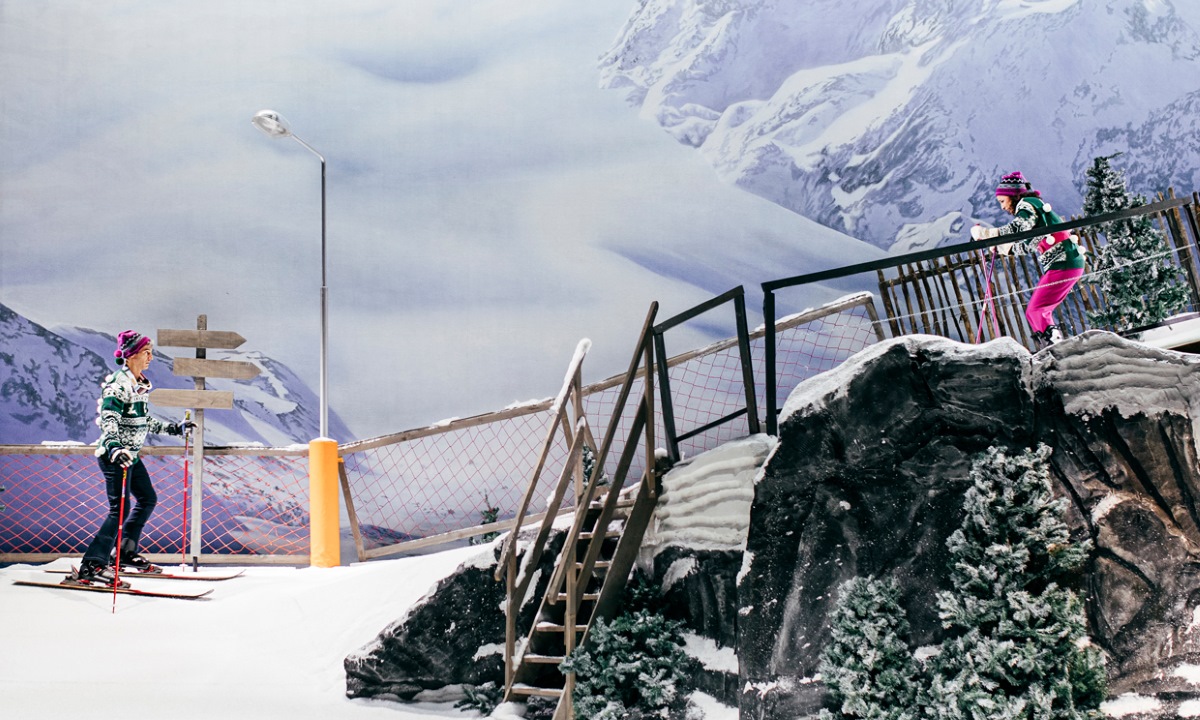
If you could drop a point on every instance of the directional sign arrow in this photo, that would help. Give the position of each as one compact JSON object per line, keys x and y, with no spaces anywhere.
{"x":235,"y":369}
{"x":201,"y":399}
{"x":216,"y":339}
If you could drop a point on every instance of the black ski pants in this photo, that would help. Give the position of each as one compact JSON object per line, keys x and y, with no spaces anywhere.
{"x":137,"y":484}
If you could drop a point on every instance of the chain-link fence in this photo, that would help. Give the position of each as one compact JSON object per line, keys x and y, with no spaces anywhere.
{"x":254,"y":503}
{"x":440,"y":484}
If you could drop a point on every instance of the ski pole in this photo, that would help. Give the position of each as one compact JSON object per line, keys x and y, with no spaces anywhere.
{"x":989,"y":304}
{"x":187,"y":436}
{"x":120,"y":527}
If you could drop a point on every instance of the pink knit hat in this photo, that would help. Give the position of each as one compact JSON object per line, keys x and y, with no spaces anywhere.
{"x":129,"y":343}
{"x":1014,"y":185}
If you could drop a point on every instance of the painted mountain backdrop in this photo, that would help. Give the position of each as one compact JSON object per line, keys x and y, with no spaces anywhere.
{"x":894,"y":122}
{"x":50,"y":380}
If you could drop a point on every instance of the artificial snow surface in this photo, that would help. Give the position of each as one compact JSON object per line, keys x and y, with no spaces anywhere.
{"x":269,"y":644}
{"x":266,"y":645}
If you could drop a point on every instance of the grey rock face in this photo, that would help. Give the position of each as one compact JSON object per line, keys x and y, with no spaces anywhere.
{"x":453,"y":636}
{"x":871,"y":470}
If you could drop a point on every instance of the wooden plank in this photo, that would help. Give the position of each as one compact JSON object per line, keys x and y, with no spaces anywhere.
{"x":214,"y":399}
{"x":215,"y":339}
{"x":234,"y":369}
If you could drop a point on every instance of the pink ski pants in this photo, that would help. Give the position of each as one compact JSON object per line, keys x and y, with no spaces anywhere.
{"x":1051,"y":290}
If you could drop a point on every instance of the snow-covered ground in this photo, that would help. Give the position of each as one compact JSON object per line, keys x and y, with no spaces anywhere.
{"x":266,"y":645}
{"x":269,"y":644}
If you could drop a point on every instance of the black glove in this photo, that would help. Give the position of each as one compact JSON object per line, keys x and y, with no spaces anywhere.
{"x":179,"y":428}
{"x":121,"y":456}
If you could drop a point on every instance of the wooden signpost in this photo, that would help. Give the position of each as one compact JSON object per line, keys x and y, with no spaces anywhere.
{"x":201,"y":398}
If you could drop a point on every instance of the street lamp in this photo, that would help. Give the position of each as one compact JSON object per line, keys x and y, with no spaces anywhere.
{"x":271,"y":123}
{"x":323,"y":512}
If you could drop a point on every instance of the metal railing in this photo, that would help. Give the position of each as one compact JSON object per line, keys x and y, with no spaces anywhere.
{"x":943,"y":291}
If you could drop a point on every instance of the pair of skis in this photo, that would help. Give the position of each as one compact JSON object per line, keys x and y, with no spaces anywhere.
{"x":176,"y":595}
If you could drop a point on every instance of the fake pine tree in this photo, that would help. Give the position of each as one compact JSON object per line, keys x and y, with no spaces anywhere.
{"x":1018,"y":645}
{"x":867,"y":665}
{"x":1134,"y":270}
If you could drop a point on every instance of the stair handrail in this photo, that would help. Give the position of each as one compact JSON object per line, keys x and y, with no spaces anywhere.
{"x":572,"y":383}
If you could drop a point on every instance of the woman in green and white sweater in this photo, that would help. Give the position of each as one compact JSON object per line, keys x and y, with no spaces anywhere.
{"x":124,"y":420}
{"x":1059,"y":255}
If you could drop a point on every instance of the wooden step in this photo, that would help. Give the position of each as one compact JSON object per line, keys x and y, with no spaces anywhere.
{"x":622,"y":503}
{"x":588,"y":534}
{"x":528,"y":690}
{"x":558,"y":628}
{"x":543,"y":659}
{"x":598,"y":565}
{"x":586,"y":597}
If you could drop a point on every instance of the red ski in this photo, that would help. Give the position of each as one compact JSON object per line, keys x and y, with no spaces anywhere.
{"x":202,"y":575}
{"x":120,"y":591}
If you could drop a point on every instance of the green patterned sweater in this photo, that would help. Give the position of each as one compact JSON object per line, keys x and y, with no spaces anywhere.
{"x":123,"y":414}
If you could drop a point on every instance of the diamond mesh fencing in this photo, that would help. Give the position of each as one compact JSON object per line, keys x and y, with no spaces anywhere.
{"x":252,"y":504}
{"x":448,"y":480}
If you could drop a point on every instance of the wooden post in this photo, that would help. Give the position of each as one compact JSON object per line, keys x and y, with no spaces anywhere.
{"x":200,"y":398}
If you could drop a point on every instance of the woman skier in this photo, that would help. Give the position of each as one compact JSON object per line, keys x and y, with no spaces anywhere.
{"x":1058,"y":254}
{"x":124,"y":420}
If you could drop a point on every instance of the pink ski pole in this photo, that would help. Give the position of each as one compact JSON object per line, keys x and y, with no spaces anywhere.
{"x":989,"y":305}
{"x":120,"y":527}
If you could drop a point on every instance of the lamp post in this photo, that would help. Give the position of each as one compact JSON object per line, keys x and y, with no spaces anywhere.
{"x":323,"y":512}
{"x":271,"y":123}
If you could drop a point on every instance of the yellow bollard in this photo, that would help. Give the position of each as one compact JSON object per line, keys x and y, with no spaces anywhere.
{"x":324,"y":543}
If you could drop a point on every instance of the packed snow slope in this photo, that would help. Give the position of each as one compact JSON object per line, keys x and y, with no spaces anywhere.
{"x":890,"y":120}
{"x":269,"y":644}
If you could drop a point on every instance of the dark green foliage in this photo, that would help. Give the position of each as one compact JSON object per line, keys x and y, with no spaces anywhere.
{"x":1019,"y":644}
{"x":488,"y":515}
{"x":483,"y":698}
{"x":1134,"y":270}
{"x":633,"y":666}
{"x":1017,"y":636}
{"x":589,"y":466}
{"x":540,"y":708}
{"x":867,"y":664}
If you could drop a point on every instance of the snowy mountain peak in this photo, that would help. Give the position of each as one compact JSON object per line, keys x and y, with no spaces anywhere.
{"x":49,"y":381}
{"x":909,"y":114}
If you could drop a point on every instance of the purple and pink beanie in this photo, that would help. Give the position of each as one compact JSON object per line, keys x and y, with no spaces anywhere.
{"x":1015,"y":185}
{"x":129,"y":343}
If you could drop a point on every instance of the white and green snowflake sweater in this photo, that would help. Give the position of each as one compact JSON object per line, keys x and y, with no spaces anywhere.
{"x":123,"y":413}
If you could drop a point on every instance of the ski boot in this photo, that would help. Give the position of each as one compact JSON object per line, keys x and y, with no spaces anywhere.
{"x":1053,"y":335}
{"x":1040,"y":340}
{"x":91,"y":573}
{"x":132,"y":561}
{"x":135,"y":563}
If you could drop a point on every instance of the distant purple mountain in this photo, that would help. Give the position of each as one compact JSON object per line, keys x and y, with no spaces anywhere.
{"x":50,"y":379}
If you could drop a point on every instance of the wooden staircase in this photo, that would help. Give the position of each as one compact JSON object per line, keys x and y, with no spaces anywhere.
{"x":591,"y":571}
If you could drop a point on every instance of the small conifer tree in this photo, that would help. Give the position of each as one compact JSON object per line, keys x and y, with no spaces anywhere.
{"x":1133,"y":271}
{"x":867,"y":664}
{"x":1019,"y":646}
{"x":632,"y":667}
{"x":487,"y":516}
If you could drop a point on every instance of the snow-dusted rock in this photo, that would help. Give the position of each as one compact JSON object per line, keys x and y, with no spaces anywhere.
{"x":872,"y":464}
